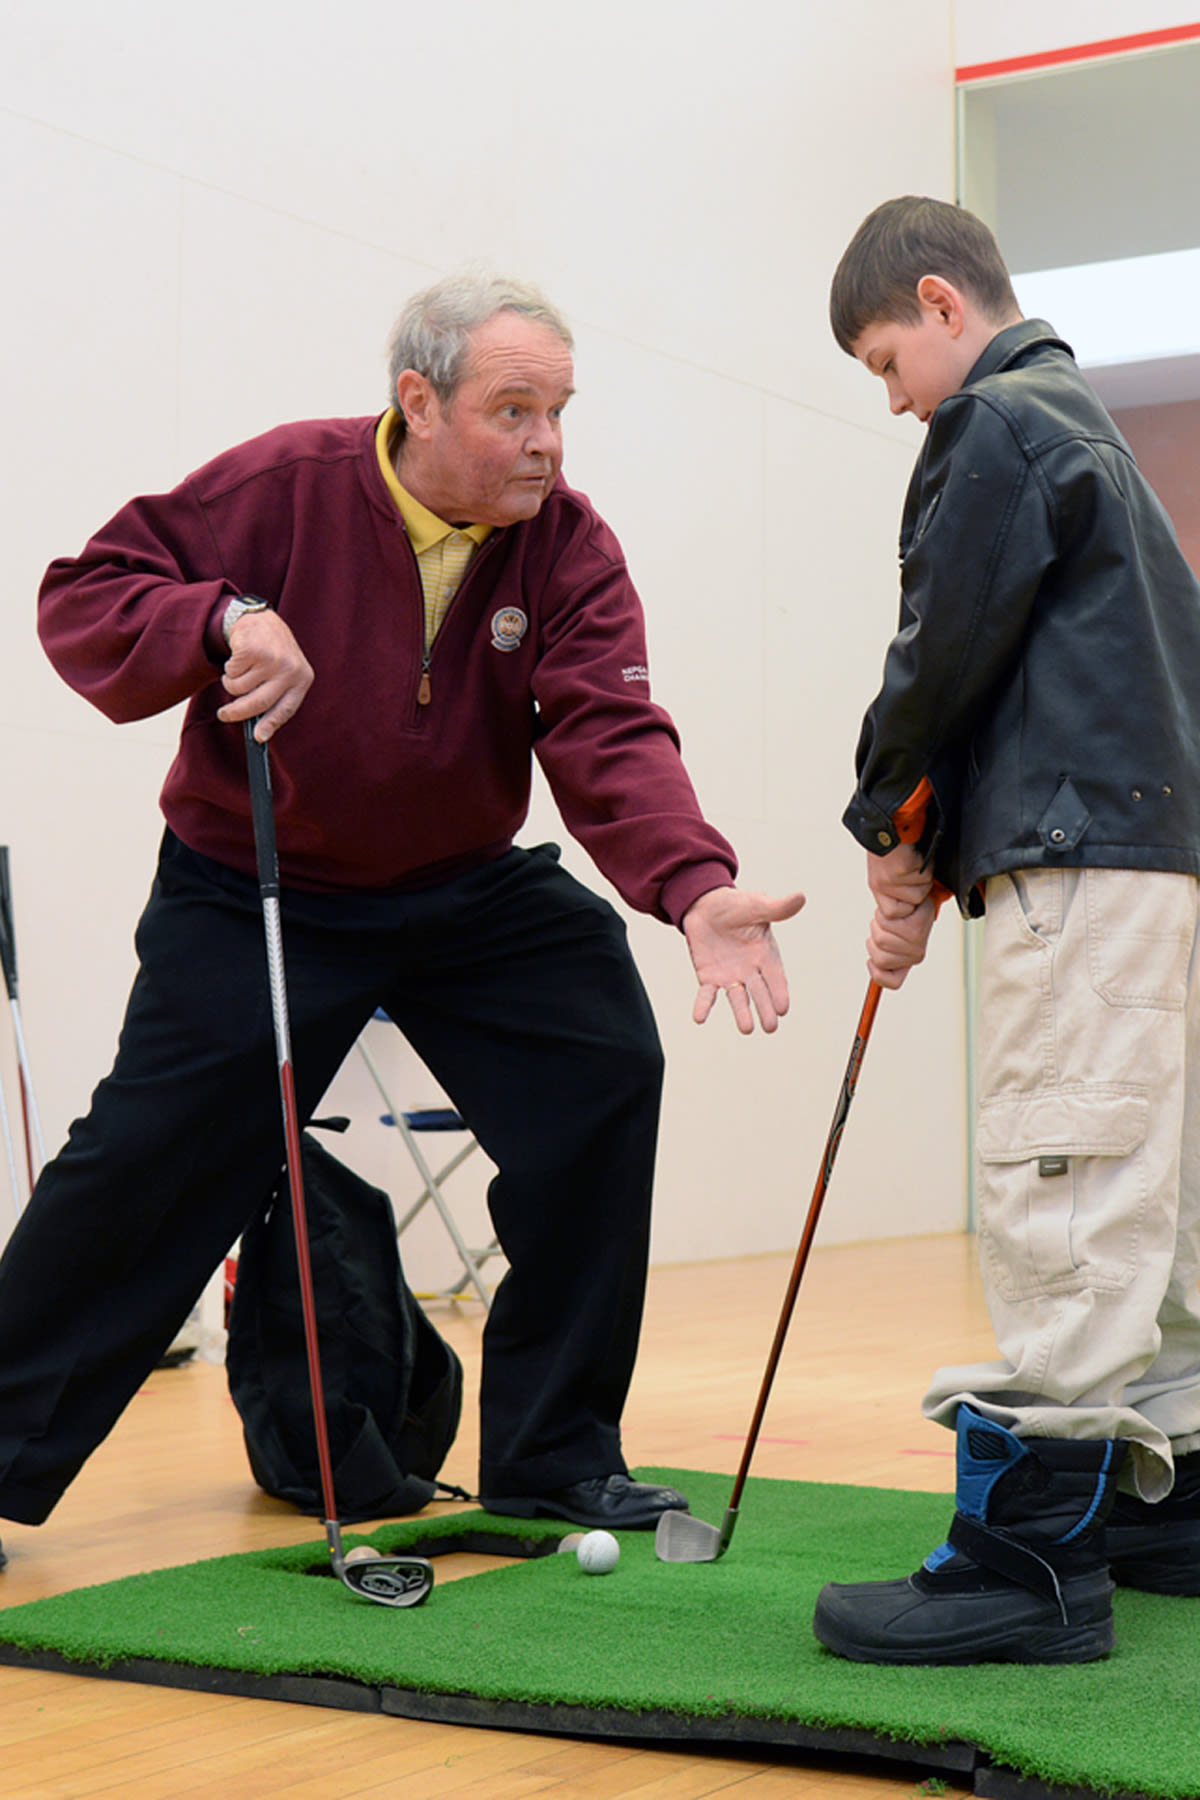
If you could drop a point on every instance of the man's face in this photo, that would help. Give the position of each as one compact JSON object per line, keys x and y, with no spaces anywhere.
{"x":920,"y":363}
{"x":491,"y":456}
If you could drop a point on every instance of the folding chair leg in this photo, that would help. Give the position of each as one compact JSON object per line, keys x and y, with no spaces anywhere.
{"x":471,"y":1259}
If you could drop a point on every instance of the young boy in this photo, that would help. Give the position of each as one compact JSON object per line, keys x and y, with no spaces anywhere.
{"x":1041,"y":705}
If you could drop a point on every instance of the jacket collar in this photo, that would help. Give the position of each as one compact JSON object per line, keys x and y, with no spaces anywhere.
{"x":1012,"y":344}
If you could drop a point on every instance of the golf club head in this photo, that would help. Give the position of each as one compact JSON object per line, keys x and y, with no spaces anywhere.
{"x":388,"y":1580}
{"x":678,"y":1537}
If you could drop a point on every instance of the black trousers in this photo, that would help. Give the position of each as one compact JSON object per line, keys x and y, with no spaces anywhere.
{"x":514,"y":984}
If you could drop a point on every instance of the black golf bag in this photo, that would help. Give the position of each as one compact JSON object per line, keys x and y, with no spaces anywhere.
{"x":392,"y":1385}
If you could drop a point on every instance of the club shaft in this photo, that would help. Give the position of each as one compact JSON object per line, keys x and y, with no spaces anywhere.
{"x":35,"y":1154}
{"x":849,"y":1083}
{"x":268,"y":882}
{"x":6,"y":1130}
{"x":8,"y":936}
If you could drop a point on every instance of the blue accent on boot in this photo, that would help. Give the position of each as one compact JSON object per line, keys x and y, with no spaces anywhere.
{"x":1110,"y":1450}
{"x":936,"y":1558}
{"x":985,"y":1452}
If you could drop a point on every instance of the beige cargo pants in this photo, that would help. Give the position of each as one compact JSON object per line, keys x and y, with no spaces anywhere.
{"x":1088,"y":1158}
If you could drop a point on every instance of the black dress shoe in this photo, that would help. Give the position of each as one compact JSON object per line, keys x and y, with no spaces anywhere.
{"x":612,"y":1501}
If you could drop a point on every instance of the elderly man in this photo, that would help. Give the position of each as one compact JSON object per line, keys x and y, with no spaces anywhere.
{"x":411,"y":606}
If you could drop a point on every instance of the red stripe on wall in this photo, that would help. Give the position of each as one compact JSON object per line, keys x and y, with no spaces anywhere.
{"x":1048,"y":59}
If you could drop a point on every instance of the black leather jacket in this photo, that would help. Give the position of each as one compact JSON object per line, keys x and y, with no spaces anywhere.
{"x":1046,"y":674}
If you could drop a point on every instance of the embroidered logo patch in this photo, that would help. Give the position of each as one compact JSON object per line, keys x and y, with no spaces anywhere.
{"x":509,"y":626}
{"x":636,"y":672}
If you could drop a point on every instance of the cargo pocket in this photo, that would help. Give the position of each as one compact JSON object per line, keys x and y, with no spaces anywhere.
{"x":1062,"y":1188}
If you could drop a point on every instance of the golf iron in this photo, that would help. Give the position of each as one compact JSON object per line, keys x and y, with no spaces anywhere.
{"x":679,"y":1536}
{"x":388,"y":1580}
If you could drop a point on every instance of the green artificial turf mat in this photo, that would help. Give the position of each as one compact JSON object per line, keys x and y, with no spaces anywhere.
{"x":712,"y":1651}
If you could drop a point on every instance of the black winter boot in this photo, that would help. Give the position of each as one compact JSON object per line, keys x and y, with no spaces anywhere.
{"x":1023,"y":1577}
{"x":1155,"y":1545}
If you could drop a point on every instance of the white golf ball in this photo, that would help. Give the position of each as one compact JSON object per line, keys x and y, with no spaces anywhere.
{"x":361,"y":1553}
{"x":598,"y":1552}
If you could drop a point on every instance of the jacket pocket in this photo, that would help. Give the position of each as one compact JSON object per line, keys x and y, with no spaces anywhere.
{"x":1062,"y":1188}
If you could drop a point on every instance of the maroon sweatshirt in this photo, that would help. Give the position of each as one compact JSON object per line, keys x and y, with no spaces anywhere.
{"x":543,"y":650}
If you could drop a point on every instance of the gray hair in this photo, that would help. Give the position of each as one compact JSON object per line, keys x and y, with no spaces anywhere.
{"x":433,"y":333}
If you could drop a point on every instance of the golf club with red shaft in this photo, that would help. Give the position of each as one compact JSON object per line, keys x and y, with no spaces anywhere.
{"x":389,"y":1580}
{"x":679,"y":1536}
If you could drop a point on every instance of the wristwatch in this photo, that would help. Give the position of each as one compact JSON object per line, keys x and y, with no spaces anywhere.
{"x":237,"y":609}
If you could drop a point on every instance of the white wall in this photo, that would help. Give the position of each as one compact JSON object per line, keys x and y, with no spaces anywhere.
{"x":210,"y":217}
{"x":985,"y":32}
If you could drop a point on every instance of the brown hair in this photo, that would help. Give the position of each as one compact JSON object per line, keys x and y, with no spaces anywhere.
{"x":896,"y":246}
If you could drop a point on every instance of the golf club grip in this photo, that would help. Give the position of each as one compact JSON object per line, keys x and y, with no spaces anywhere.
{"x":263,"y":813}
{"x":8,"y":936}
{"x":849,"y":1082}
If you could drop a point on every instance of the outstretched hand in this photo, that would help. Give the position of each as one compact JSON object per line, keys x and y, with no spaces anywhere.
{"x":733,"y":947}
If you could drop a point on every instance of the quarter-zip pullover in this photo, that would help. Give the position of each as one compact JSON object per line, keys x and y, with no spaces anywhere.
{"x":542,"y":652}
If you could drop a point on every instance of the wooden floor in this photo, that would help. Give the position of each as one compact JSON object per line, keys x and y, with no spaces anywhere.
{"x":172,"y":1485}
